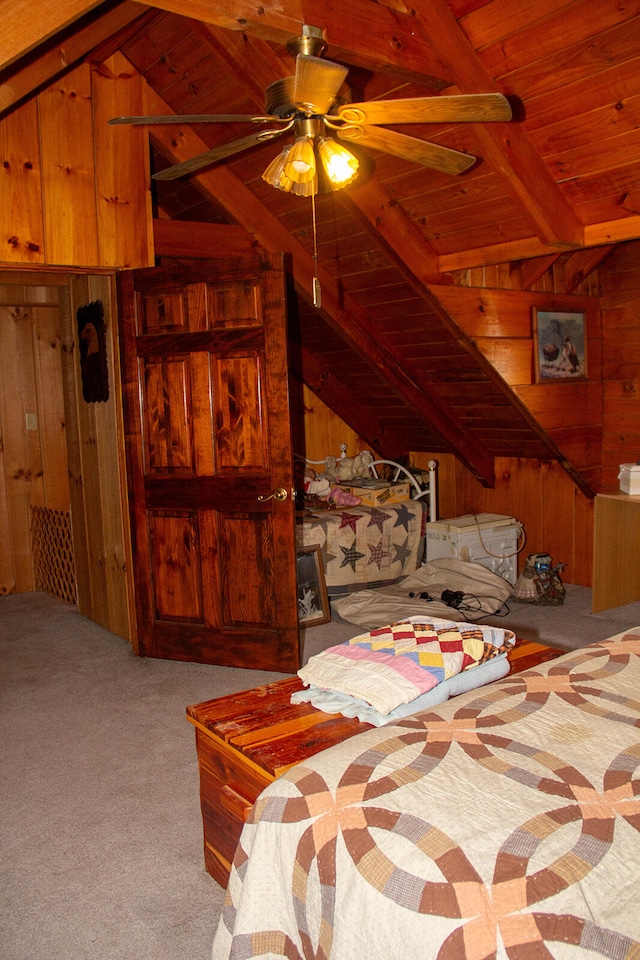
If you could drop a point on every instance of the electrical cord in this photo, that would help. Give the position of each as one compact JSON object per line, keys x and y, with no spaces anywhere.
{"x":462,"y":602}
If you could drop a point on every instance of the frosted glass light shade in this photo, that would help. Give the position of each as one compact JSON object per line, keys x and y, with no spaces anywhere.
{"x":300,"y":165}
{"x":275,"y":175}
{"x":339,"y":164}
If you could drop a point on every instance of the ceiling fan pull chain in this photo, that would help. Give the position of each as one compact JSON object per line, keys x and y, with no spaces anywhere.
{"x":317,"y":293}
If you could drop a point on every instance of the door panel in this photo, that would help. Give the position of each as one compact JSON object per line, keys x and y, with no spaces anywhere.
{"x":208,"y":434}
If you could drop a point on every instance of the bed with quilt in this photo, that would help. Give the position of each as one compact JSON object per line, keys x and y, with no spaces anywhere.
{"x":365,"y":547}
{"x":502,"y":823}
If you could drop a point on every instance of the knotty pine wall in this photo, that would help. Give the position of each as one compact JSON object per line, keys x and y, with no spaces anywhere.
{"x":74,"y":196}
{"x":58,"y":452}
{"x":73,"y":190}
{"x":620,"y":301}
{"x":33,"y":453}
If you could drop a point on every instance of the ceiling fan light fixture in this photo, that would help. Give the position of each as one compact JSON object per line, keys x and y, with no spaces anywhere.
{"x":338,"y":163}
{"x":300,"y":166}
{"x":308,"y":189}
{"x":274,"y":174}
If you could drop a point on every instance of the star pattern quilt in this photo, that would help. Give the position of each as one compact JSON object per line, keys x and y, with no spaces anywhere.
{"x":364,"y":547}
{"x":504,"y":823}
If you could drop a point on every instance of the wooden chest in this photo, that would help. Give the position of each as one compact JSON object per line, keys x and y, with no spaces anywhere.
{"x":245,"y":740}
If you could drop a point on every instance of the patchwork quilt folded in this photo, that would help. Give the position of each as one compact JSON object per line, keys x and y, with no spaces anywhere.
{"x":398,"y":663}
{"x":331,"y":702}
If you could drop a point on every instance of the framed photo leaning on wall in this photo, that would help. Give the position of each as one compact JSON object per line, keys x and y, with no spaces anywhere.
{"x":560,"y":345}
{"x":313,"y":602}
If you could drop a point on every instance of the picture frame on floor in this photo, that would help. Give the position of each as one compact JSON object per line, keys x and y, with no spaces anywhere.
{"x":313,"y":601}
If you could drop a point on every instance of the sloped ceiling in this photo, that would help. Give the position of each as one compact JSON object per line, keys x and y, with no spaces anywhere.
{"x":561,"y":181}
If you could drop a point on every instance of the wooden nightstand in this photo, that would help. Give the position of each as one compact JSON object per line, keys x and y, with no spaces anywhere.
{"x":245,"y":740}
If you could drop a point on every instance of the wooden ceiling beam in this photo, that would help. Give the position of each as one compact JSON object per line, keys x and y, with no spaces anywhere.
{"x":583,"y":262}
{"x":595,"y":235}
{"x":505,"y":146}
{"x":533,"y":270}
{"x":392,"y":229}
{"x":364,"y":34}
{"x":234,"y":49}
{"x":344,"y":315}
{"x":23,"y":28}
{"x":19,"y":82}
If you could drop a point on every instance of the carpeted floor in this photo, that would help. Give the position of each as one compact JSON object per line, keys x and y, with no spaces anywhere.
{"x":99,"y":816}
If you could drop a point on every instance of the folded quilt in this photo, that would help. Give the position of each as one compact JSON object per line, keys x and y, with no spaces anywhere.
{"x":331,"y":702}
{"x":396,"y":664}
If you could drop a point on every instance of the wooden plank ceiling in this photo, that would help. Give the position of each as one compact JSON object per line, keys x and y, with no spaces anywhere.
{"x":560,"y":181}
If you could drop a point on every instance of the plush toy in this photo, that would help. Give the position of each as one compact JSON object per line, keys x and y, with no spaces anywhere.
{"x":315,"y":485}
{"x":319,"y":485}
{"x":348,"y":468}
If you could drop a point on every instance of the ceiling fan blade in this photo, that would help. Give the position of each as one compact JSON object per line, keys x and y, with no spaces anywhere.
{"x":199,"y":118}
{"x":212,"y":156}
{"x":317,"y":83}
{"x":470,"y":107}
{"x":409,"y":148}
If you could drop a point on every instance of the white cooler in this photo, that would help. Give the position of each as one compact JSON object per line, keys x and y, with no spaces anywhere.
{"x":486,"y":538}
{"x":629,"y":478}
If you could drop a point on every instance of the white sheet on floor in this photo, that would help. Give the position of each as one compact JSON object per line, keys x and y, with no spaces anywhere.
{"x":484,"y":593}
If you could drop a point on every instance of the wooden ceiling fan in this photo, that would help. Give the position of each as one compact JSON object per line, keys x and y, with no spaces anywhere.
{"x":309,"y":104}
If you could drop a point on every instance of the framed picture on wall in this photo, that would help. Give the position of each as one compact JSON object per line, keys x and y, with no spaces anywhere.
{"x":313,"y":602}
{"x":93,"y":352}
{"x":560,"y":345}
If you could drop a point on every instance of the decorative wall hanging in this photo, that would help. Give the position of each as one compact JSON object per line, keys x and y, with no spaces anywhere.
{"x":93,"y":352}
{"x":560,"y":346}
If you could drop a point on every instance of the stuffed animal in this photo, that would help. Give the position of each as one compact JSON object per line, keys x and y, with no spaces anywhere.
{"x":348,"y":468}
{"x":319,"y":485}
{"x":315,"y":485}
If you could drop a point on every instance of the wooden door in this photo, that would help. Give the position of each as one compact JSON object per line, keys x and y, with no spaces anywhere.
{"x":208,"y":437}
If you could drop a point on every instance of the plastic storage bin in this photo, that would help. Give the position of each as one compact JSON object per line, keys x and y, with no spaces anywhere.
{"x":486,"y":538}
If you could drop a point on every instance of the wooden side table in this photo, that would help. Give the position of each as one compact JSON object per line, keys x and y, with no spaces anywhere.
{"x":616,"y":571}
{"x":245,"y":740}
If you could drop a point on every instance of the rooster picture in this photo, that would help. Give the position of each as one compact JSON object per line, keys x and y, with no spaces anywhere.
{"x":570,"y":358}
{"x":561,"y":345}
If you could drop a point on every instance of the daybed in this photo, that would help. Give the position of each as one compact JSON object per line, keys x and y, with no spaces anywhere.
{"x":365,"y":547}
{"x":502,"y":823}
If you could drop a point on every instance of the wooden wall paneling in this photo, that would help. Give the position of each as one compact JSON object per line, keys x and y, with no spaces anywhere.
{"x":445,"y":479}
{"x":74,"y":452}
{"x":111,"y":465}
{"x":51,"y":420}
{"x":513,"y":359}
{"x":7,"y":563}
{"x":22,"y":230}
{"x":23,"y":475}
{"x":324,"y":432}
{"x":68,"y":170}
{"x":558,"y":517}
{"x":620,"y":302}
{"x":583,"y":548}
{"x":122,"y":185}
{"x":98,"y":482}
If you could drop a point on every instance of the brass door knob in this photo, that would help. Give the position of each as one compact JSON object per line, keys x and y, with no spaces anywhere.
{"x":280,"y":495}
